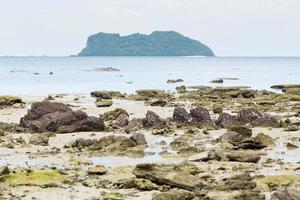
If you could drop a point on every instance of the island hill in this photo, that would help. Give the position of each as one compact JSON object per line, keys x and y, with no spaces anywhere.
{"x":158,"y":43}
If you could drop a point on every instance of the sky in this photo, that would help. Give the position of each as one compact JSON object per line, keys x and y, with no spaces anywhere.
{"x":229,"y":27}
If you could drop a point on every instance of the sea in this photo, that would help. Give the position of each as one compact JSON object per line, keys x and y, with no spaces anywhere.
{"x":36,"y":76}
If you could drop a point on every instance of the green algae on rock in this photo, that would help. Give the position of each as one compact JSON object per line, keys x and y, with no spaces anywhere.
{"x":42,"y":179}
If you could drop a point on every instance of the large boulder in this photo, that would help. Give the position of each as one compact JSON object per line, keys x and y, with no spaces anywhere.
{"x":57,"y":117}
{"x":180,"y":115}
{"x":226,"y":120}
{"x":249,"y":115}
{"x":153,"y":120}
{"x":202,"y":117}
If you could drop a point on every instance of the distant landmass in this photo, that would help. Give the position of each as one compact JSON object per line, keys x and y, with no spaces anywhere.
{"x":158,"y":43}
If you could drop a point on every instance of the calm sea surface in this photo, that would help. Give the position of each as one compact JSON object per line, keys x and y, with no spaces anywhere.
{"x":77,"y":75}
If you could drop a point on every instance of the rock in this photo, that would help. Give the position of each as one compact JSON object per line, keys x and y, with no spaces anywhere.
{"x":140,"y":184}
{"x":171,"y":81}
{"x":226,"y":120}
{"x":248,"y":93}
{"x":286,"y":194}
{"x":97,"y":170}
{"x":217,"y":109}
{"x":279,"y":181}
{"x":233,"y":137}
{"x":249,"y":115}
{"x":6,"y":101}
{"x":285,"y":86}
{"x":174,"y":194}
{"x":163,"y":131}
{"x":217,"y":81}
{"x":265,"y":121}
{"x":81,"y":143}
{"x":122,"y":121}
{"x":242,"y":130}
{"x":181,"y":89}
{"x":4,"y":170}
{"x":104,"y":103}
{"x":292,"y":128}
{"x":264,"y":139}
{"x":114,"y":114}
{"x":175,"y":81}
{"x":243,"y":156}
{"x":167,"y":175}
{"x":57,"y":117}
{"x":134,"y":125}
{"x":239,"y":182}
{"x":202,"y":118}
{"x":39,"y":139}
{"x":291,"y":146}
{"x":139,"y":139}
{"x":107,"y":94}
{"x":152,"y":93}
{"x":160,"y":103}
{"x":180,"y":115}
{"x":232,"y":94}
{"x":249,"y":195}
{"x":249,"y":143}
{"x":153,"y":120}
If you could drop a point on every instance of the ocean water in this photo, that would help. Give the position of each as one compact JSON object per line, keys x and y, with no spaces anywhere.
{"x":77,"y":75}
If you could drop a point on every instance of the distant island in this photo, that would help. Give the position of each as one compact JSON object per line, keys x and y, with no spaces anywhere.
{"x":158,"y":43}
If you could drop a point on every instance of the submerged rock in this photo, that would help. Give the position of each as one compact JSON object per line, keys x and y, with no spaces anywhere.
{"x":57,"y":117}
{"x":217,"y":81}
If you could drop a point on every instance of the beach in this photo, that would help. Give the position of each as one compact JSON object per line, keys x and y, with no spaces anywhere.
{"x":199,"y":143}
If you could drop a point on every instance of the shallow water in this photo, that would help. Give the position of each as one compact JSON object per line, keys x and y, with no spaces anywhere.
{"x":76,"y":75}
{"x":152,"y":154}
{"x":281,"y":152}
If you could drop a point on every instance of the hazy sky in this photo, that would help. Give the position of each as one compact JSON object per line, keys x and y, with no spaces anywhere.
{"x":229,"y":27}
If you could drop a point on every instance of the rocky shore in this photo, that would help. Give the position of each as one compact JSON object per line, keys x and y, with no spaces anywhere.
{"x":200,"y":143}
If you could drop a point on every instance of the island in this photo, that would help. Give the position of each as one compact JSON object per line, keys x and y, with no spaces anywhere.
{"x":158,"y":43}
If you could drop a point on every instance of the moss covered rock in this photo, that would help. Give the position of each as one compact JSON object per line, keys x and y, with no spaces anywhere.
{"x":114,"y":114}
{"x":104,"y":103}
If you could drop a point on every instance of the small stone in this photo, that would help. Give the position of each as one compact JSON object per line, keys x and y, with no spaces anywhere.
{"x":97,"y":170}
{"x":4,"y":170}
